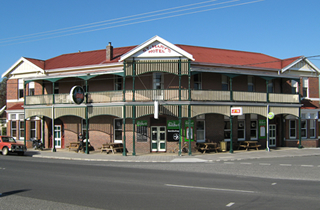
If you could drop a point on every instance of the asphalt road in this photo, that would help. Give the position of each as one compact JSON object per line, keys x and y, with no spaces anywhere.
{"x":283,"y":183}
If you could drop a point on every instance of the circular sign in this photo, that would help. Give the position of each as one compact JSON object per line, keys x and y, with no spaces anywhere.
{"x":176,"y":136}
{"x":270,"y":115}
{"x":77,"y":94}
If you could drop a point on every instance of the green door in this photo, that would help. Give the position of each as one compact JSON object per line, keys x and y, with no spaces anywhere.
{"x":158,"y":138}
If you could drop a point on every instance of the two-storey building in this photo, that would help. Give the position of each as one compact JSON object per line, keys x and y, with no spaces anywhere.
{"x":150,"y":96}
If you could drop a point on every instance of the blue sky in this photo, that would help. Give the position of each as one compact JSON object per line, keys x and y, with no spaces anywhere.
{"x":279,"y":28}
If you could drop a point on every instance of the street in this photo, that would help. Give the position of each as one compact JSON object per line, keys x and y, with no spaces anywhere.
{"x":282,"y":183}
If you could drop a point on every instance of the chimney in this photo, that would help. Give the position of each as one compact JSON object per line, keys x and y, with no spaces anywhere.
{"x":109,"y":52}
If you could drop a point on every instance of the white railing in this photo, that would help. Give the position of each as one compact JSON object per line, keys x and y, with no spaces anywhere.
{"x":283,"y":98}
{"x":249,"y":96}
{"x":210,"y":95}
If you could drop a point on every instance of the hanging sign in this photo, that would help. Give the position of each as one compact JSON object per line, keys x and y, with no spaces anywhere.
{"x":173,"y":133}
{"x":262,"y":129}
{"x":186,"y":124}
{"x":77,"y":94}
{"x":236,"y":110}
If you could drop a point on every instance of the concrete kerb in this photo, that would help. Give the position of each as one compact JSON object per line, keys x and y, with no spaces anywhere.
{"x":173,"y":157}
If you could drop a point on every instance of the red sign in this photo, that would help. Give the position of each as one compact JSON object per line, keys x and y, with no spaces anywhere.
{"x":236,"y":111}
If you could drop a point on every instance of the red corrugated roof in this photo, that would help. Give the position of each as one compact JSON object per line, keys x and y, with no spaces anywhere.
{"x":200,"y":54}
{"x":15,"y":107}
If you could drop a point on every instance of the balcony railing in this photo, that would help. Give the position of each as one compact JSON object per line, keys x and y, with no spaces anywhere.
{"x":164,"y":95}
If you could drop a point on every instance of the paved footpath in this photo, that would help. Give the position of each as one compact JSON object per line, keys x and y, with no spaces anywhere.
{"x":173,"y":157}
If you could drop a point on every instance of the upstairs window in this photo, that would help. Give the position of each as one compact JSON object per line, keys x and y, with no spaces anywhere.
{"x":117,"y":82}
{"x":224,"y":82}
{"x":31,"y":88}
{"x":270,"y":86}
{"x":250,"y":84}
{"x":56,"y":88}
{"x":157,"y":81}
{"x":294,"y":87}
{"x":305,"y":84}
{"x":197,"y":82}
{"x":20,"y":90}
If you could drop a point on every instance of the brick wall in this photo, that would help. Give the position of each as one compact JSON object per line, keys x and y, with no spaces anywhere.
{"x":12,"y":89}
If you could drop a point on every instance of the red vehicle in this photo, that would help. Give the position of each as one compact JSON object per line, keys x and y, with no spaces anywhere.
{"x":9,"y":144}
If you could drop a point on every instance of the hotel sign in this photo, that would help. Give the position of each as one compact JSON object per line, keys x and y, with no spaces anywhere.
{"x":77,"y":94}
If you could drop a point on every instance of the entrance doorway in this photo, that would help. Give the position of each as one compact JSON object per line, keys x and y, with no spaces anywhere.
{"x":57,"y":136}
{"x":158,"y":138}
{"x":272,"y":135}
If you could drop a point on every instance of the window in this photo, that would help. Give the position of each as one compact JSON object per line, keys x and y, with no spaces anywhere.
{"x":117,"y":82}
{"x":294,"y":86}
{"x":292,"y":129}
{"x":157,"y":81}
{"x":305,"y":82}
{"x":56,"y":88}
{"x":118,"y":130}
{"x":227,"y":130}
{"x":225,"y":82}
{"x":21,"y":129}
{"x":253,"y":130}
{"x":270,"y":87}
{"x":31,"y":88}
{"x":20,"y":91}
{"x":241,"y":130}
{"x":303,"y":128}
{"x":250,"y":84}
{"x":33,"y":129}
{"x":200,"y":131}
{"x":142,"y":131}
{"x":14,"y":129}
{"x":312,"y":128}
{"x":197,"y":82}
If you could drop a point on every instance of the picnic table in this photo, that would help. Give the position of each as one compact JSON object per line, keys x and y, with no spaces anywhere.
{"x":113,"y":147}
{"x":73,"y":145}
{"x":249,"y":144}
{"x":208,"y":146}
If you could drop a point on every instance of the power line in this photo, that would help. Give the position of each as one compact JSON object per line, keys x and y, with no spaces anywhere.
{"x":59,"y":31}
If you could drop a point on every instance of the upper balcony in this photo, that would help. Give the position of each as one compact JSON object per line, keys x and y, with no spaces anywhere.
{"x":166,"y":95}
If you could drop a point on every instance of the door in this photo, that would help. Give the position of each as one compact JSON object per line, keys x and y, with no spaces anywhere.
{"x":57,"y":136}
{"x":158,"y":86}
{"x":272,"y":135}
{"x":158,"y":143}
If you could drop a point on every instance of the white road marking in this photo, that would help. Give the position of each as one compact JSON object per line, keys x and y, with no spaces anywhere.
{"x":274,"y":183}
{"x":209,"y":188}
{"x":307,"y":165}
{"x":285,"y":164}
{"x":230,"y":204}
{"x":228,"y":162}
{"x":246,"y":163}
{"x":264,"y":164}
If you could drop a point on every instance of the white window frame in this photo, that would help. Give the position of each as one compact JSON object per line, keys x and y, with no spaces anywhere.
{"x":312,"y":128}
{"x":14,"y":129}
{"x":294,"y":86}
{"x":114,"y":130}
{"x":255,"y":129}
{"x":226,"y":129}
{"x":21,"y":130}
{"x":295,"y":129}
{"x":33,"y":131}
{"x":20,"y":89}
{"x":31,"y":89}
{"x":305,"y":87}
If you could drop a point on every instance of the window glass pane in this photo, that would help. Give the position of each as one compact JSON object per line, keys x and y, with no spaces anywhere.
{"x":118,"y":135}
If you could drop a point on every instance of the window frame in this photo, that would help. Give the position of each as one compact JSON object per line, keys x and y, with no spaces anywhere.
{"x":202,"y":131}
{"x":243,"y":129}
{"x":197,"y":81}
{"x":294,"y":129}
{"x":114,"y":130}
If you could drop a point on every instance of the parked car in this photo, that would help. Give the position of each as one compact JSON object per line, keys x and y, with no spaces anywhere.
{"x":9,"y":144}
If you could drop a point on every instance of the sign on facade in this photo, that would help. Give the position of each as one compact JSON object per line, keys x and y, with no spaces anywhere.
{"x":173,"y":133}
{"x":236,"y":110}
